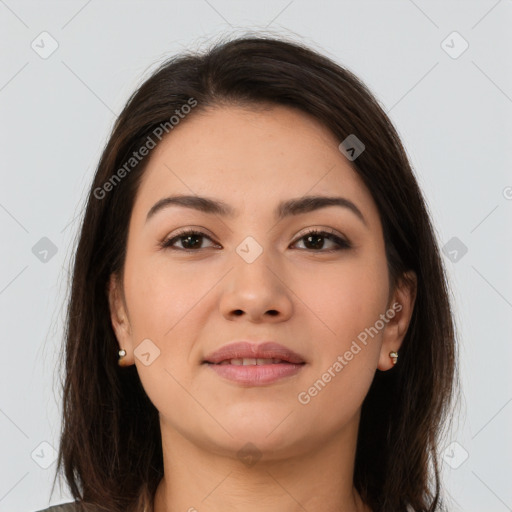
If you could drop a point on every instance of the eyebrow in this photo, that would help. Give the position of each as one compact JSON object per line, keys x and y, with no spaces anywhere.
{"x":284,"y":209}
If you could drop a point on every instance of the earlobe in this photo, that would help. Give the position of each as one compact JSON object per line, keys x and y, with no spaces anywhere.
{"x":402,"y":304}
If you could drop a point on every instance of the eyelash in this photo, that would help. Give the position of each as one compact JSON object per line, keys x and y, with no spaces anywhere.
{"x":342,"y":244}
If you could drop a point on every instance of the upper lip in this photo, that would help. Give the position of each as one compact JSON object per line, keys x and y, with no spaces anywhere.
{"x":245,"y":349}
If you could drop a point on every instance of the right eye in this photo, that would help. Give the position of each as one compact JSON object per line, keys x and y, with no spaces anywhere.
{"x":189,"y":237}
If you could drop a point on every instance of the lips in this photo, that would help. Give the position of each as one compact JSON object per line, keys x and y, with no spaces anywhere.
{"x":249,"y":364}
{"x":244,"y":353}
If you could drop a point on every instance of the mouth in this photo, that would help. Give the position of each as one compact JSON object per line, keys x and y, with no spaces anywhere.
{"x":244,"y":353}
{"x":250,"y":364}
{"x":251,"y":361}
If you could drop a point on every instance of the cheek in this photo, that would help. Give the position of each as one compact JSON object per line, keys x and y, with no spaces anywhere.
{"x":347,"y":297}
{"x":163,"y":301}
{"x":161,"y":296}
{"x":351,"y":303}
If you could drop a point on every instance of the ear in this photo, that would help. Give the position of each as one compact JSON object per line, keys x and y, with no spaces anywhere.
{"x":120,"y":320}
{"x":400,"y":308}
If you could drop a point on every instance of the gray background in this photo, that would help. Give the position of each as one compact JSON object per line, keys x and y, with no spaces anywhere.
{"x":452,"y":111}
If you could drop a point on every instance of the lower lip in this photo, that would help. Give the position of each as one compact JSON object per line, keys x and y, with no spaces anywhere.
{"x":256,"y":375}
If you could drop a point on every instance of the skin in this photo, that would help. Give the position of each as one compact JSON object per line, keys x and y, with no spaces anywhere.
{"x":309,"y":300}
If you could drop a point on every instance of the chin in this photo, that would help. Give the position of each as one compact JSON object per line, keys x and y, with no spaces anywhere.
{"x":270,"y":428}
{"x":258,"y":445}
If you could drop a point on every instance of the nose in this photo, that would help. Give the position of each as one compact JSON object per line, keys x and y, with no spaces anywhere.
{"x":256,"y":291}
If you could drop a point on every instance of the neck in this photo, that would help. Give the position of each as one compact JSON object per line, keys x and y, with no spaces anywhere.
{"x":314,"y":477}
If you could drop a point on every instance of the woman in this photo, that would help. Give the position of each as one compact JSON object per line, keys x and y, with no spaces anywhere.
{"x":259,"y":317}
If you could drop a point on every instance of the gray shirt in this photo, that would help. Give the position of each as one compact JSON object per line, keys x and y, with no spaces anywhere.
{"x":66,"y":507}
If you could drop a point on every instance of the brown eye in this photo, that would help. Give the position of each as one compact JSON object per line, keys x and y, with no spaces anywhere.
{"x":190,"y":240}
{"x":314,"y":240}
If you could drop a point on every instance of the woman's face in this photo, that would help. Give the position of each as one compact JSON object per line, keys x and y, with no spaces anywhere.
{"x":255,"y":275}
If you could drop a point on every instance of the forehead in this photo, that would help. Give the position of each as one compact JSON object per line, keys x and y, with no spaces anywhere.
{"x":250,"y":156}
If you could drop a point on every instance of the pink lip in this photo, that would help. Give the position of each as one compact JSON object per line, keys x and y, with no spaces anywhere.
{"x":245,"y":349}
{"x":255,"y":375}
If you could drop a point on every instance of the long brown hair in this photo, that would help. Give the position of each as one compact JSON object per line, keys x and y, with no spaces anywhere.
{"x":110,"y":450}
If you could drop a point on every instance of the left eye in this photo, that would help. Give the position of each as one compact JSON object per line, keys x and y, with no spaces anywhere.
{"x":189,"y":240}
{"x":314,"y":235}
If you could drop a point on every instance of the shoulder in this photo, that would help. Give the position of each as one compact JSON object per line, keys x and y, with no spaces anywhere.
{"x":66,"y":507}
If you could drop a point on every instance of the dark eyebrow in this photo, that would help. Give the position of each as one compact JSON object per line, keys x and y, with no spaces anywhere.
{"x":284,"y":209}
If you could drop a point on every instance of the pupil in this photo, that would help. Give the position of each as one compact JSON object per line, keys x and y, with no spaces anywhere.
{"x":316,"y":246}
{"x":187,"y":238}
